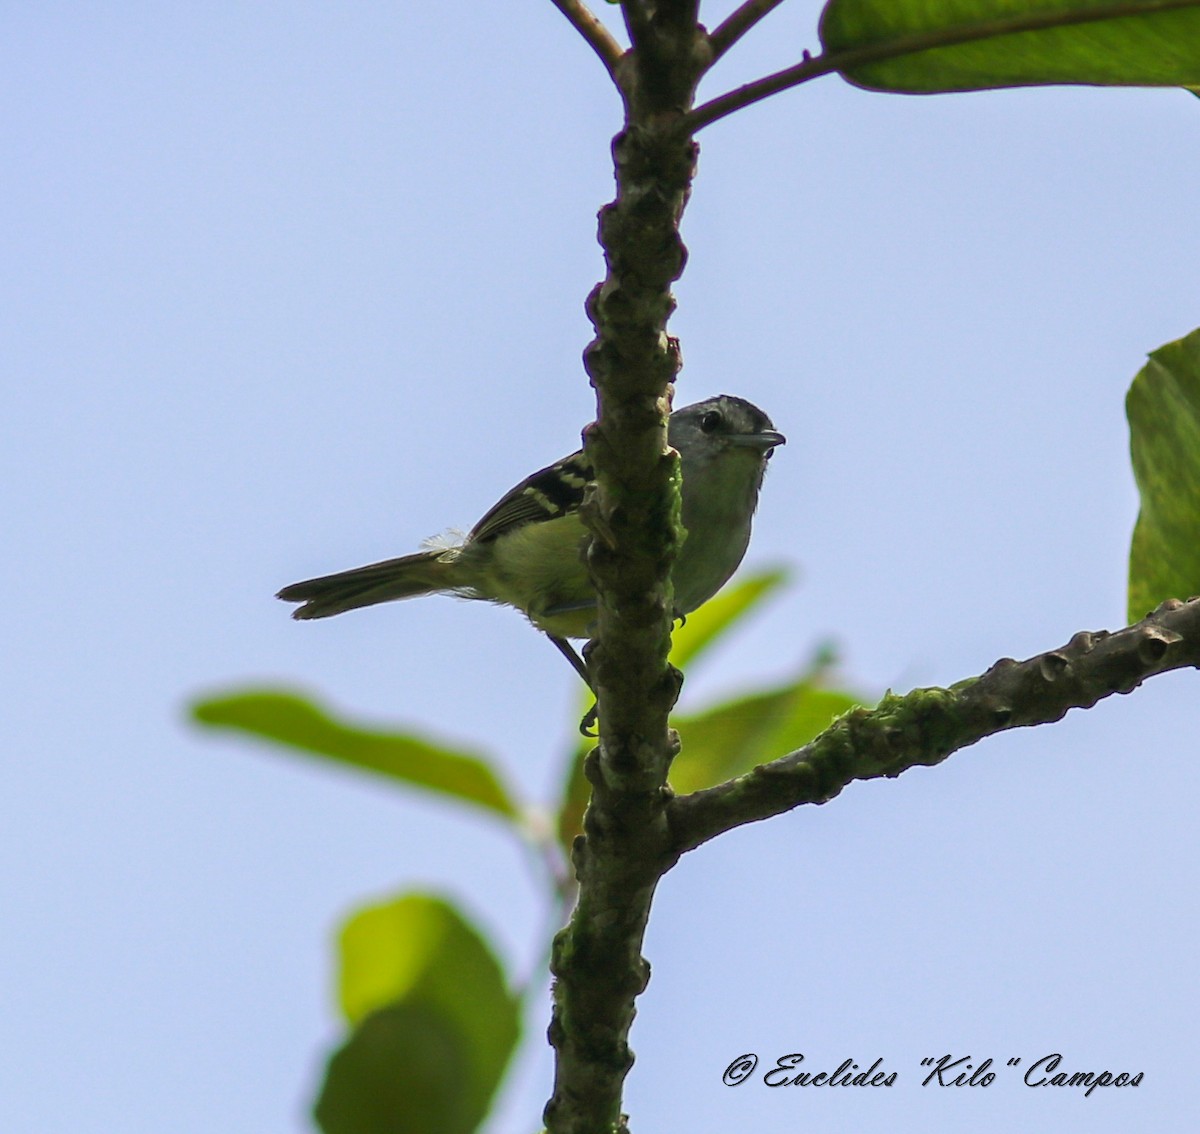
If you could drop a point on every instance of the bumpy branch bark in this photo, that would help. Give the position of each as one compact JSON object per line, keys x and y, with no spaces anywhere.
{"x":926,"y":726}
{"x":633,"y":515}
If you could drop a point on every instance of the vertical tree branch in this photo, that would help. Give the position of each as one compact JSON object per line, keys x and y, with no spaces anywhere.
{"x":633,"y":515}
{"x":637,"y":20}
{"x":584,"y":21}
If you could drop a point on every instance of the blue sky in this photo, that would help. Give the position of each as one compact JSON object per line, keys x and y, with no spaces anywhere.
{"x":286,"y":289}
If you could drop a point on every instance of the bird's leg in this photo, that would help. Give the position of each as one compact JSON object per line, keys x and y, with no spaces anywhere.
{"x":580,"y":667}
{"x":568,"y":651}
{"x":587,"y":723}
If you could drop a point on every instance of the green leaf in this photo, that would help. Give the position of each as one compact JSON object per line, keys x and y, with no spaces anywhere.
{"x":707,"y":625}
{"x":288,"y":719}
{"x":434,"y":1023}
{"x":398,"y":1073}
{"x":733,"y":737}
{"x":1163,"y":407}
{"x":928,"y":46}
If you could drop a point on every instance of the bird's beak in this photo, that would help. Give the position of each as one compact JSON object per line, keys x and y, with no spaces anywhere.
{"x":764,"y":441}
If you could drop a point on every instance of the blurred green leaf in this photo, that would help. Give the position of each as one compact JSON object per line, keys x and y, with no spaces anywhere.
{"x":400,"y":1072}
{"x":725,"y":741}
{"x":414,"y":972}
{"x":1011,"y":43}
{"x":707,"y":625}
{"x":1163,"y":407}
{"x":291,"y":720}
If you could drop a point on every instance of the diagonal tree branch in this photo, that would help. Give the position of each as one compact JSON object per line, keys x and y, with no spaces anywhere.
{"x":926,"y":726}
{"x":584,"y":21}
{"x":738,"y":23}
{"x":809,"y":67}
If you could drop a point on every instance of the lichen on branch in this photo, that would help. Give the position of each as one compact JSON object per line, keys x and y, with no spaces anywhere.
{"x":924,"y":727}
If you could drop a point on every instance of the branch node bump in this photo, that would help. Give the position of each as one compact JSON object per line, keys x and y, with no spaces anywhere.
{"x":592,"y":769}
{"x":673,"y":741}
{"x":1085,"y":641}
{"x":1155,"y":644}
{"x":1053,"y":665}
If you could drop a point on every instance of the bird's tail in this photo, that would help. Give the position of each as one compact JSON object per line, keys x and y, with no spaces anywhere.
{"x":410,"y":575}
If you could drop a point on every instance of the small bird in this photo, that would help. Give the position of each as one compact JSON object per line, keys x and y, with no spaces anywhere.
{"x":528,"y":550}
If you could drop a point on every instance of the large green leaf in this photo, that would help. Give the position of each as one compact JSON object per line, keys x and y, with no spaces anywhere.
{"x":733,"y":737}
{"x":927,"y":46}
{"x":1163,"y":407}
{"x":398,"y":1073}
{"x":294,"y":721}
{"x":434,"y":1023}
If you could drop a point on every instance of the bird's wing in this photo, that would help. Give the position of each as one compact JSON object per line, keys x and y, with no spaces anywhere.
{"x":554,"y":491}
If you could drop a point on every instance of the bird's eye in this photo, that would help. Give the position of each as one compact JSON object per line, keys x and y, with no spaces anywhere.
{"x":711,"y":421}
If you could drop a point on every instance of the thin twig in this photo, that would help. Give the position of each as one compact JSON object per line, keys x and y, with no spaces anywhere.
{"x":721,"y":106}
{"x":584,"y":21}
{"x":812,"y":67}
{"x":738,"y":23}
